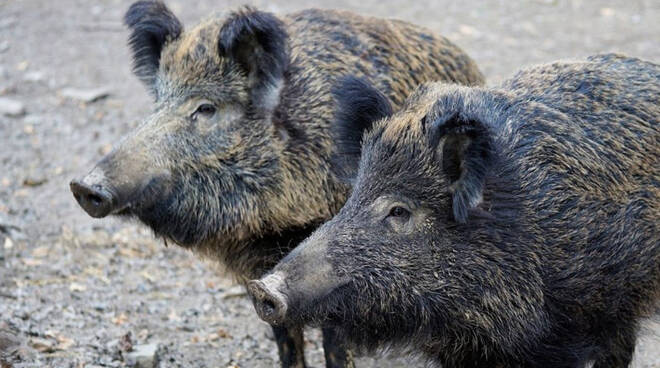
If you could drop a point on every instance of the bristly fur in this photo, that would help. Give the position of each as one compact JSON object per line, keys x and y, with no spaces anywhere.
{"x":556,"y":264}
{"x":359,"y":105}
{"x":221,"y":188}
{"x":235,"y":161}
{"x":152,"y":25}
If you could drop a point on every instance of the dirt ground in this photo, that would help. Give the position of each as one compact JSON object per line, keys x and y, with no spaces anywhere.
{"x":78,"y":292}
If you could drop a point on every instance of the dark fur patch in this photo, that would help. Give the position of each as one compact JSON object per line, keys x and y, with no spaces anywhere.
{"x":466,"y":155}
{"x":359,"y":105}
{"x":558,"y":264}
{"x":152,"y":24}
{"x":257,"y":42}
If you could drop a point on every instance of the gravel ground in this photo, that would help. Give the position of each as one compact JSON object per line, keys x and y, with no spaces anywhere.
{"x":78,"y":292}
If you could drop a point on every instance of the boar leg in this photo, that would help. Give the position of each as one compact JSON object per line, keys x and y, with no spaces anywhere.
{"x":290,"y":345}
{"x":336,"y":354}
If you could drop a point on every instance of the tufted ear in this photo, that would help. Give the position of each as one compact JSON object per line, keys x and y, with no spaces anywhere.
{"x":358,"y":106}
{"x":257,"y":42}
{"x":152,"y":25}
{"x":465,"y":148}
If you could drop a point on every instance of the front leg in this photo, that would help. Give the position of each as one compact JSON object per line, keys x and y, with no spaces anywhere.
{"x":336,"y":353}
{"x":290,"y":345}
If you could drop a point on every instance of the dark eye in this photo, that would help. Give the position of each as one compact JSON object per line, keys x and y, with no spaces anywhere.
{"x":204,"y":109}
{"x":398,"y":211}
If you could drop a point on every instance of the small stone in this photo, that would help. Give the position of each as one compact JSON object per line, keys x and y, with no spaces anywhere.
{"x":86,"y":95}
{"x":35,"y":76}
{"x":42,"y":345}
{"x":222,"y":333}
{"x":32,"y":181}
{"x":8,"y":243}
{"x":74,"y":286}
{"x":97,"y":10}
{"x":126,"y":342}
{"x":143,"y":355}
{"x":11,"y":107}
{"x":4,"y":46}
{"x":64,"y":343}
{"x":100,"y":306}
{"x":105,"y":149}
{"x":22,"y":66}
{"x":606,"y":12}
{"x":33,"y":120}
{"x":468,"y":31}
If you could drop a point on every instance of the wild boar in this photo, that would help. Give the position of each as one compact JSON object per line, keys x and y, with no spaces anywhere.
{"x":495,"y":227}
{"x":237,"y":160}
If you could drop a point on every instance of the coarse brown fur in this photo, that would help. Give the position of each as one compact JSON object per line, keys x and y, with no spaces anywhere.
{"x":235,"y":162}
{"x":324,"y":45}
{"x":300,"y":191}
{"x":510,"y":227}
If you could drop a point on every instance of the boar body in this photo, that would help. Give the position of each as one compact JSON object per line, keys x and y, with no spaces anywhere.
{"x":236,"y":161}
{"x":502,"y":227}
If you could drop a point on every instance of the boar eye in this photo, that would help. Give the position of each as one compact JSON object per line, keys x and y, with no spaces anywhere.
{"x":399,"y":212}
{"x":207,"y":110}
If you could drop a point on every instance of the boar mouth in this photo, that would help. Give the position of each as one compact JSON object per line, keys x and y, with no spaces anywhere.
{"x":125,"y":210}
{"x":332,"y":301}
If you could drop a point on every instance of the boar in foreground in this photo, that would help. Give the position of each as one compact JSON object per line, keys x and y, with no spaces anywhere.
{"x":506,"y":227}
{"x":237,"y":161}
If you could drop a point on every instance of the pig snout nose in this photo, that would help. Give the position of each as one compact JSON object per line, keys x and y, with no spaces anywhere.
{"x":270,"y":303}
{"x":93,"y":198}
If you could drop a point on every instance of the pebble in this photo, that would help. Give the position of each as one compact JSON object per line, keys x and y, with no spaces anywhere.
{"x":8,"y":244}
{"x":97,"y":10}
{"x":11,"y":107}
{"x":34,"y":119}
{"x":35,"y":76}
{"x":143,"y":355}
{"x":86,"y":95}
{"x":100,"y":306}
{"x":34,"y":181}
{"x":42,"y":345}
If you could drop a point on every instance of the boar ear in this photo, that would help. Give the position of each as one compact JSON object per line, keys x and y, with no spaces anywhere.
{"x":358,"y":106}
{"x":257,"y":42}
{"x":466,"y":149}
{"x":152,"y":25}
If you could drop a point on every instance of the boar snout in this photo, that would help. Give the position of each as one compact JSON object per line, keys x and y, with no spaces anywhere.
{"x":271,"y":304}
{"x":93,"y":194}
{"x":304,"y":278}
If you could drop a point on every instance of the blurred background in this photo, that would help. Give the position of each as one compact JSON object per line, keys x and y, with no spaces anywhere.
{"x":78,"y":292}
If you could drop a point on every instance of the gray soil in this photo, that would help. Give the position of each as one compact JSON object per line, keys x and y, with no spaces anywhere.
{"x":78,"y":292}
